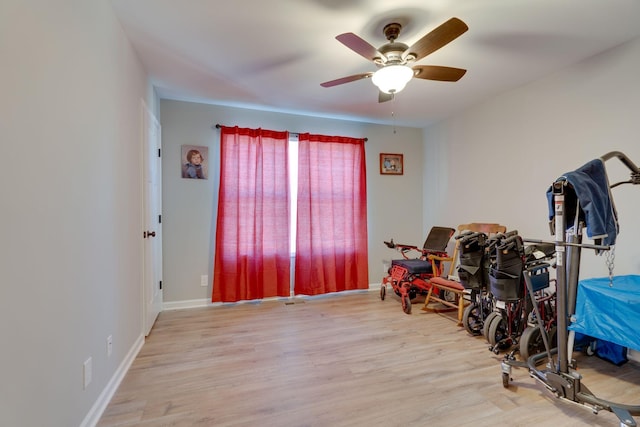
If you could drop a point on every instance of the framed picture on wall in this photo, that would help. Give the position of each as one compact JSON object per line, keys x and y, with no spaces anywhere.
{"x":194,"y":161}
{"x":391,"y":164}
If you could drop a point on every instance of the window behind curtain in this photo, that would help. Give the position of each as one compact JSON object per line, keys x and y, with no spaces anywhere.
{"x":331,"y":240}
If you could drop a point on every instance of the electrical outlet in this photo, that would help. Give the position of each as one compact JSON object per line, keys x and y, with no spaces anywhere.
{"x":109,"y":345}
{"x":204,"y":280}
{"x":86,"y":372}
{"x":386,"y":264}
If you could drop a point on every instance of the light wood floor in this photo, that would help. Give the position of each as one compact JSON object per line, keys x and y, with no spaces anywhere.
{"x":342,"y":360}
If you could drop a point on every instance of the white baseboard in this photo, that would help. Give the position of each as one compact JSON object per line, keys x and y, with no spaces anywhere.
{"x":189,"y":303}
{"x":100,"y":405}
{"x":206,"y":302}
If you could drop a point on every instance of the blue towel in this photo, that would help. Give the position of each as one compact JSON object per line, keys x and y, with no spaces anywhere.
{"x":591,"y":187}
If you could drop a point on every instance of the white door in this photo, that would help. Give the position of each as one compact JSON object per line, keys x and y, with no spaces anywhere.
{"x":152,"y":233}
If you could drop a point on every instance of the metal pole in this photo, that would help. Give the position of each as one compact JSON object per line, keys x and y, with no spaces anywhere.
{"x":561,"y":275}
{"x":574,"y":255}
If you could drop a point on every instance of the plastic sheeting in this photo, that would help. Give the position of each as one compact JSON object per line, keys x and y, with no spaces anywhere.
{"x":610,"y":313}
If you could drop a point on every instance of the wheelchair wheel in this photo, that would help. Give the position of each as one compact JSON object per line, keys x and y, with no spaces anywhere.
{"x":487,"y":322}
{"x":531,"y":341}
{"x":553,"y":337}
{"x":383,"y":292}
{"x":472,"y":319}
{"x":406,"y":304}
{"x":447,"y":295}
{"x":497,"y":330}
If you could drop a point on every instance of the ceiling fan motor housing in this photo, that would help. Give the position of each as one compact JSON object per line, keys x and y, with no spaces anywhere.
{"x":393,"y":52}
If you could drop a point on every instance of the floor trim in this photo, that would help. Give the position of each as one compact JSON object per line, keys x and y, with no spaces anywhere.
{"x":206,"y":302}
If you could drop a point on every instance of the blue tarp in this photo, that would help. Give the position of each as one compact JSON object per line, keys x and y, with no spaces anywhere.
{"x":610,"y":313}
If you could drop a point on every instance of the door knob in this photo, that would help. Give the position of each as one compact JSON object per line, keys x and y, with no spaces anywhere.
{"x":148,"y":234}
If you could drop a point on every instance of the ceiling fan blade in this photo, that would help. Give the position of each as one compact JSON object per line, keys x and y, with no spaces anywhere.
{"x":347,"y":79}
{"x":445,"y":33}
{"x":435,"y":72}
{"x":384,"y":97}
{"x":359,"y":46}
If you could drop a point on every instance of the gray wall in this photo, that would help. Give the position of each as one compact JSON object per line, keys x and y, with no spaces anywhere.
{"x":70,"y":185}
{"x":190,"y":206}
{"x":70,"y":161}
{"x":495,"y":162}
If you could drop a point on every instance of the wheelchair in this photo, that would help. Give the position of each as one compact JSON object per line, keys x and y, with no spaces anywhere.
{"x":514,"y":265}
{"x":473,"y":272}
{"x":409,"y":277}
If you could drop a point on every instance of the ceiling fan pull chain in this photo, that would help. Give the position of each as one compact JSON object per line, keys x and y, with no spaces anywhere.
{"x":393,"y":115}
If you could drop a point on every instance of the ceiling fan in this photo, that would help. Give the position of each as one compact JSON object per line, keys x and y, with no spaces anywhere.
{"x":394,"y":59}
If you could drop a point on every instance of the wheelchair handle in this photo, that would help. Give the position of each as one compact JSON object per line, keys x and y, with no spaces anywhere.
{"x":509,"y":242}
{"x":399,"y":246}
{"x":494,"y":240}
{"x":464,"y":234}
{"x":469,"y":235}
{"x":500,"y":236}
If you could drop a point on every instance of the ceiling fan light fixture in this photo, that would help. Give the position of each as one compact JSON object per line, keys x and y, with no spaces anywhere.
{"x":392,"y":78}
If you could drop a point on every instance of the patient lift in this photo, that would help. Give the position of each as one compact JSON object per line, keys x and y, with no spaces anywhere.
{"x":574,"y":206}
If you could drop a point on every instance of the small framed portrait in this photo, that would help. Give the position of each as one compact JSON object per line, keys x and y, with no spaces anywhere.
{"x":194,"y":162}
{"x":391,"y":164}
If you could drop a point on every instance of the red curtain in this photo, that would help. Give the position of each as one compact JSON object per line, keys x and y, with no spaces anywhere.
{"x":252,"y":258}
{"x":331,"y":236}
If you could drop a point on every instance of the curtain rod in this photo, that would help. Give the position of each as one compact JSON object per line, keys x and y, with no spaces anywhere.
{"x":218,"y":125}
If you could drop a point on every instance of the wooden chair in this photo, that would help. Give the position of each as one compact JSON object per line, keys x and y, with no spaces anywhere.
{"x":448,"y":283}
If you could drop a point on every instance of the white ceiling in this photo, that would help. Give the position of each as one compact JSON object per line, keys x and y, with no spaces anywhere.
{"x":273,"y":54}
